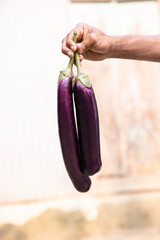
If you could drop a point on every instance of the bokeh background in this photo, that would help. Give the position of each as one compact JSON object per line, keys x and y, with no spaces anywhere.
{"x":37,"y":199}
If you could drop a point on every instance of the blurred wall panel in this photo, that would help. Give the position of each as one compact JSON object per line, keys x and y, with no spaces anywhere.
{"x":31,"y":165}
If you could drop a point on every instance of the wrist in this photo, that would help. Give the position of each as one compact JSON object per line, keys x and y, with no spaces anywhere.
{"x":111,"y":46}
{"x":116,"y":47}
{"x":125,"y":47}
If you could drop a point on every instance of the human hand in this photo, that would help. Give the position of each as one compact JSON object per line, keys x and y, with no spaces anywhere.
{"x":92,"y":43}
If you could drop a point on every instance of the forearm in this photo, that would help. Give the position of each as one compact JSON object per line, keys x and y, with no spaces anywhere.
{"x":145,"y":48}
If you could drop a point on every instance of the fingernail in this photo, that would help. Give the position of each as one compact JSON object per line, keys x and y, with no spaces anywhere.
{"x":70,"y":54}
{"x":81,"y":57}
{"x":73,"y":48}
{"x":79,"y":47}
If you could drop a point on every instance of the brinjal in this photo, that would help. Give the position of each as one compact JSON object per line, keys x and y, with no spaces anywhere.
{"x":87,"y":122}
{"x":67,"y":131}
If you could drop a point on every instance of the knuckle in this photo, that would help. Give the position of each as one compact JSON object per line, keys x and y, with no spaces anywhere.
{"x":80,"y":24}
{"x":93,"y":38}
{"x":63,"y":50}
{"x":63,"y":40}
{"x":68,"y":35}
{"x":68,"y":43}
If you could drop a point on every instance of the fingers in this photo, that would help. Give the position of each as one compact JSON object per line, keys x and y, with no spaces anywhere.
{"x":68,"y":45}
{"x":86,"y":44}
{"x":81,"y":57}
{"x":66,"y":49}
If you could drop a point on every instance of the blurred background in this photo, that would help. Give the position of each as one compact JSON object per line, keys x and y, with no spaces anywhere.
{"x":37,"y":199}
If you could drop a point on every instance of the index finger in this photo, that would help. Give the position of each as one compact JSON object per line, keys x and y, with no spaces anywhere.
{"x":79,"y":29}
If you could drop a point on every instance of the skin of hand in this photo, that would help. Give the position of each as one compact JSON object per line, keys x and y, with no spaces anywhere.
{"x":92,"y":43}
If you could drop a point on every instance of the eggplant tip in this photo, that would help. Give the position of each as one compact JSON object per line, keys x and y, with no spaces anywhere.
{"x":85,"y":187}
{"x":90,"y":172}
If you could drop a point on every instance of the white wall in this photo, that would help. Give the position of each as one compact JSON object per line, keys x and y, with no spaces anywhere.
{"x":31,"y":166}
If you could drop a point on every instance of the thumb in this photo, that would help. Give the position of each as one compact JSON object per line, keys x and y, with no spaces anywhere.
{"x":83,"y":46}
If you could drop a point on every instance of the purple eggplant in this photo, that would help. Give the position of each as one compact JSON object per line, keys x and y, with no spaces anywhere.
{"x":68,"y":133}
{"x":87,"y":122}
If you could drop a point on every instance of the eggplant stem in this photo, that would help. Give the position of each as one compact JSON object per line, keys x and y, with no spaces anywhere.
{"x":79,"y":69}
{"x":70,"y":64}
{"x":76,"y":56}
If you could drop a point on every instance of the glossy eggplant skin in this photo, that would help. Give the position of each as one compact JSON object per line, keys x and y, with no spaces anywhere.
{"x":88,"y":128}
{"x":68,"y":136}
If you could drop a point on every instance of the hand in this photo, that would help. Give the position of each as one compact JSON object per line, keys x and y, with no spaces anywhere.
{"x":92,"y":43}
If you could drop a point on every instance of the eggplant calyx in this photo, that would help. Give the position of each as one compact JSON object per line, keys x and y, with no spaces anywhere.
{"x":64,"y":74}
{"x":84,"y":80}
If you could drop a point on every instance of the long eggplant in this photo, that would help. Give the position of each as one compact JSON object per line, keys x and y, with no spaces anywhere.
{"x":68,"y":133}
{"x":87,"y":122}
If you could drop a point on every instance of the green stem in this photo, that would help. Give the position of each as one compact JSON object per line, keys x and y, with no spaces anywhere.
{"x":70,"y":64}
{"x":79,"y":69}
{"x":77,"y":57}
